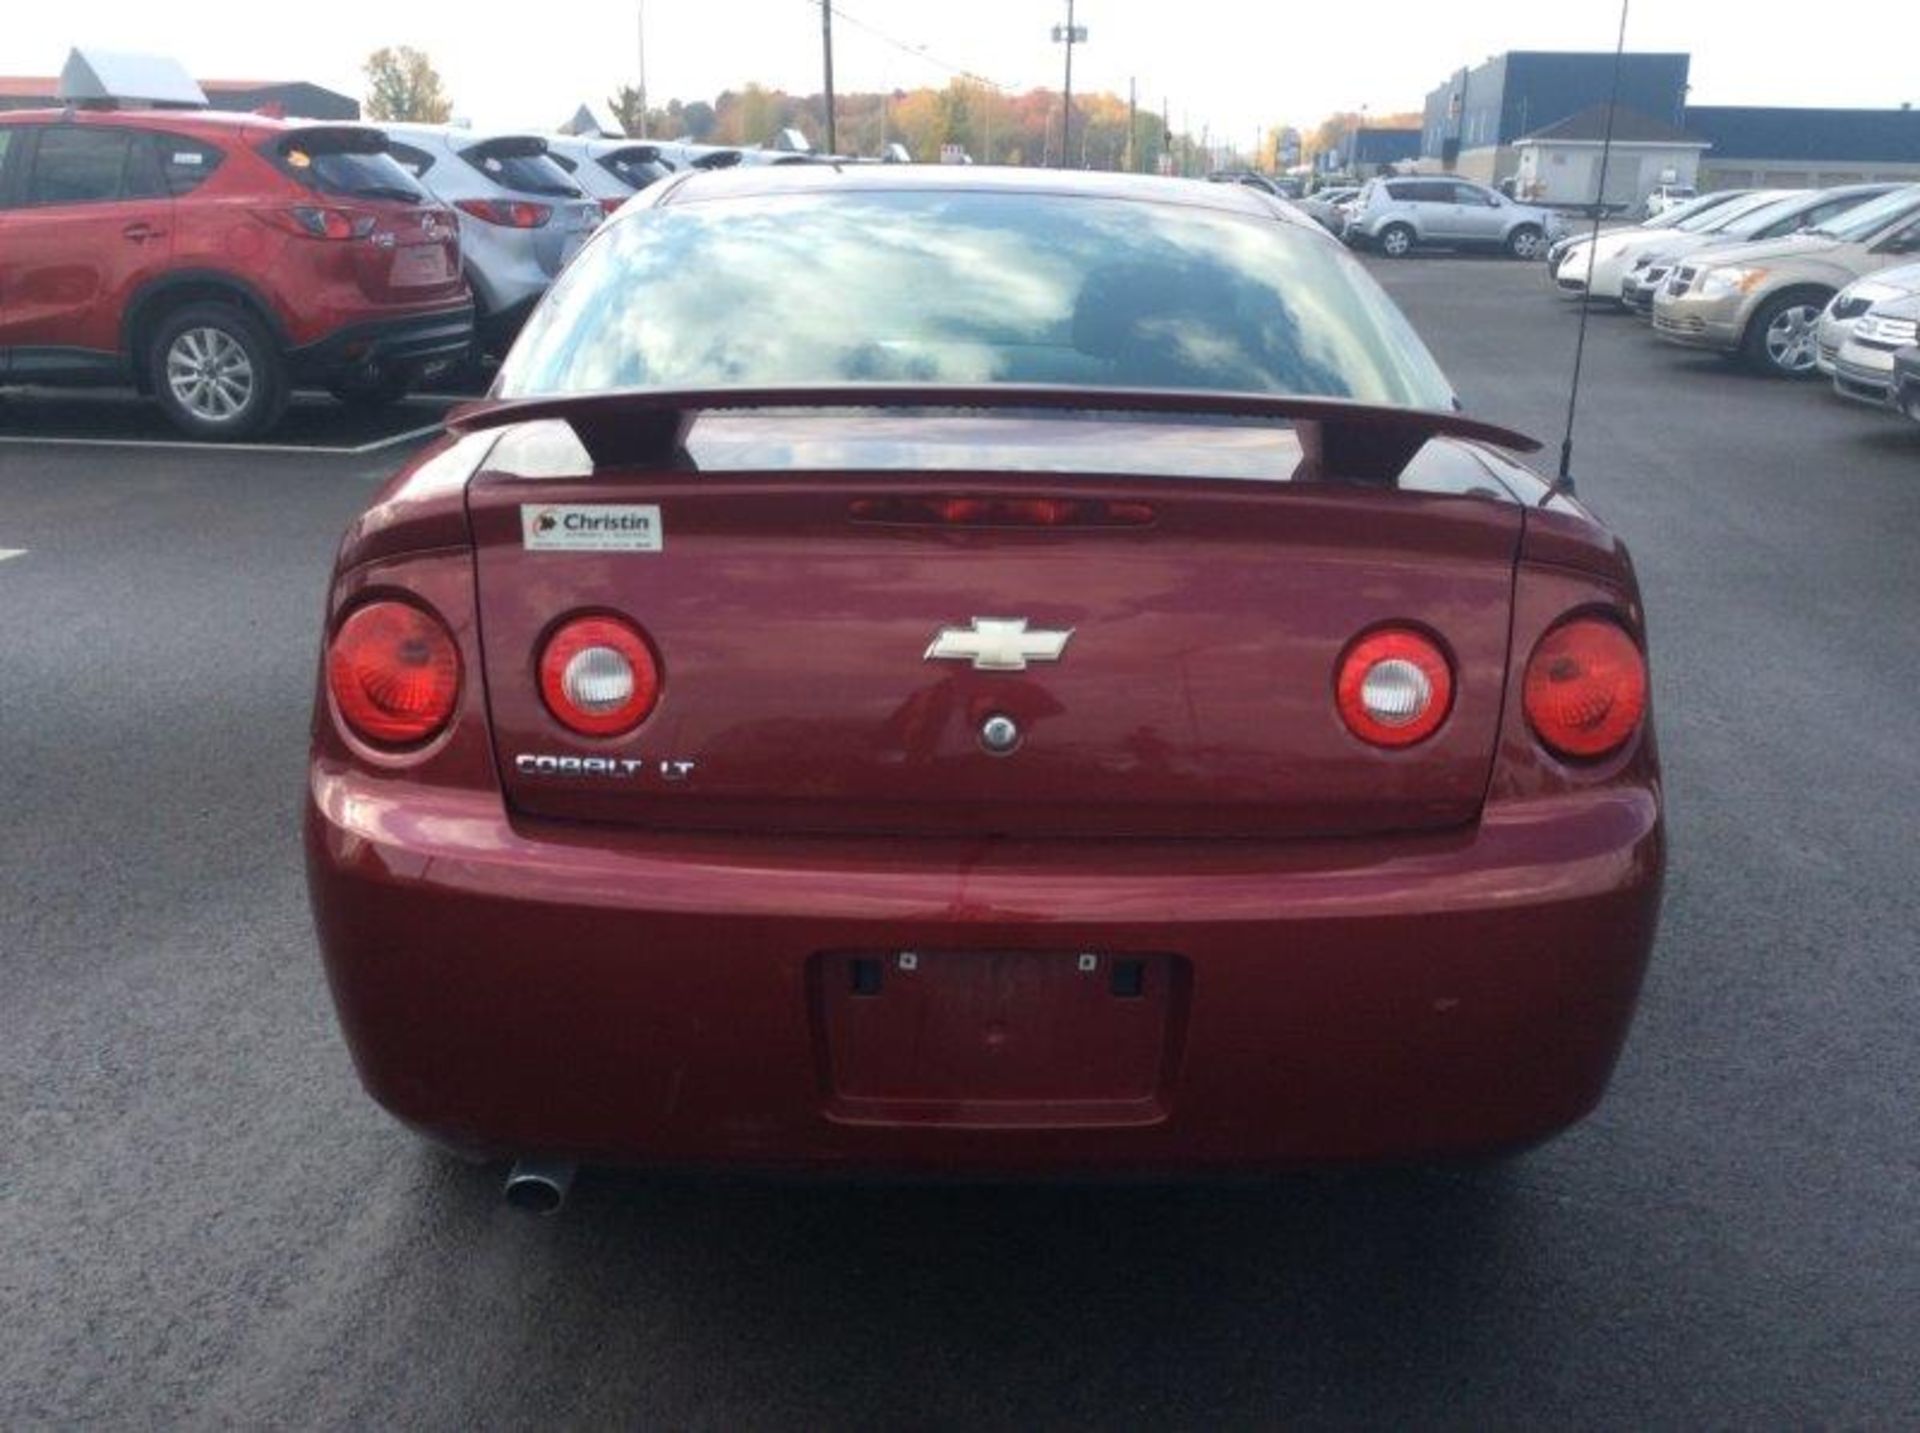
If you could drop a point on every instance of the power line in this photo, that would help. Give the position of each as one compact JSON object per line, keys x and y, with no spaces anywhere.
{"x":918,"y":52}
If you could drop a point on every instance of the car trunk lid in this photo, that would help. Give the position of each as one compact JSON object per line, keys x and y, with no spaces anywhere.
{"x":820,"y":628}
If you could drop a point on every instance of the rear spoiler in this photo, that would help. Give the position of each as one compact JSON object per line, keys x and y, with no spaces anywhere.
{"x":331,"y":139}
{"x":648,"y":427}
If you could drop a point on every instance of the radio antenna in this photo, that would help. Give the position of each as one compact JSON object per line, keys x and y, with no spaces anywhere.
{"x":1564,"y":483}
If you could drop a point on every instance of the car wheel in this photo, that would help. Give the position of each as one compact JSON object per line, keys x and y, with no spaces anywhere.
{"x":375,"y":390}
{"x":216,"y":372}
{"x":1783,"y":336}
{"x":1396,"y":241}
{"x":1526,"y":242}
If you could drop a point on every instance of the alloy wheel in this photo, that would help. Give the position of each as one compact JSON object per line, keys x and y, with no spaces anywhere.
{"x":210,"y":374}
{"x":1792,"y":341}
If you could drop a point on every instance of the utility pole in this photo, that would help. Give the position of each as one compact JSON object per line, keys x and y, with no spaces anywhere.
{"x":1133,"y":166}
{"x":643,"y":69}
{"x":826,"y":51}
{"x":1073,"y":35}
{"x":1166,"y":134}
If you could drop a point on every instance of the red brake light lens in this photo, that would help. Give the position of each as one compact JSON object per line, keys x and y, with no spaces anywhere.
{"x":1586,"y":688}
{"x":1001,"y":512}
{"x":394,"y":673}
{"x":315,"y":221}
{"x":1394,"y":688}
{"x":598,"y":676}
{"x":610,"y":207}
{"x":508,"y":213}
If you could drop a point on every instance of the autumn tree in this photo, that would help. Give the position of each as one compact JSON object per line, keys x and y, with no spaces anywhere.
{"x":402,"y":84}
{"x":624,"y":104}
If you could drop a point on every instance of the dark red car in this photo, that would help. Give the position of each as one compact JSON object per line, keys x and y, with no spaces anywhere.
{"x":214,"y":261}
{"x":979,"y":670}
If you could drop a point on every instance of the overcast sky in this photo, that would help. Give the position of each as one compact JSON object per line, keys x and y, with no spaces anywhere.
{"x":1230,"y":66}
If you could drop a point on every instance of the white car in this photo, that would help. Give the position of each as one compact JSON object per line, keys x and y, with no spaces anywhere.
{"x":609,"y":170}
{"x":1859,"y":329}
{"x":1590,"y":270}
{"x":1668,"y":196}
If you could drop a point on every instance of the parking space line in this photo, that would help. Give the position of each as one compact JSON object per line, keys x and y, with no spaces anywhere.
{"x":6,"y":552}
{"x":175,"y":445}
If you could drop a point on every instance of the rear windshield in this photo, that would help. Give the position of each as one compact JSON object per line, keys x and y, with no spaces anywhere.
{"x":528,"y":170}
{"x":354,"y":165}
{"x":636,"y":168}
{"x":969,"y":287}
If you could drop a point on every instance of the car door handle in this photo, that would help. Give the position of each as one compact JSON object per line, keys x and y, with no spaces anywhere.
{"x":140,"y":233}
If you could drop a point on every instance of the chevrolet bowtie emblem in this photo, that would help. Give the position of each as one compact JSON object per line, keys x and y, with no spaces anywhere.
{"x":997,"y":644}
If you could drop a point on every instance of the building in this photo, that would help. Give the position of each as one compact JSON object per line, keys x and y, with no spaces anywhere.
{"x":1560,"y":163}
{"x":294,"y":99}
{"x":1780,"y":148}
{"x":1369,"y":151}
{"x":1481,"y":119}
{"x":1475,"y":118}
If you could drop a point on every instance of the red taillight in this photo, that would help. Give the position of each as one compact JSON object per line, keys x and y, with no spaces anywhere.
{"x":1395,"y":687}
{"x":1586,"y":688}
{"x":610,"y":207}
{"x":508,"y":213}
{"x":314,"y":221}
{"x":394,"y":673}
{"x":1001,"y":512}
{"x":598,"y":676}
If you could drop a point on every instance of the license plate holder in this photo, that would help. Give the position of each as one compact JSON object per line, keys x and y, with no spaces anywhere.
{"x":420,"y":264}
{"x":999,"y":1037}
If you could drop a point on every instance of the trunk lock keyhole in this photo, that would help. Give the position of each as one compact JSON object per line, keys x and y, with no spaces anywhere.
{"x":999,"y":734}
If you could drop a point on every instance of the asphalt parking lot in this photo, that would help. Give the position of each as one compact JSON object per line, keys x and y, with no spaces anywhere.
{"x":202,"y":1220}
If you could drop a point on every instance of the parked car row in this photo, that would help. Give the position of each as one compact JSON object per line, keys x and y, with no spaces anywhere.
{"x":214,"y":262}
{"x":1400,"y":215}
{"x":1795,"y":283}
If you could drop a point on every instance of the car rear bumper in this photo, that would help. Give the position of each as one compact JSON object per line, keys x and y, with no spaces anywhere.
{"x":626,"y":996}
{"x":387,"y":345}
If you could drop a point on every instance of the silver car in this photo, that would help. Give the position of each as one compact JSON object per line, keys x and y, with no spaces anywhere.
{"x":1326,"y":207}
{"x":1851,"y":305}
{"x":1397,"y":215}
{"x":610,"y":171}
{"x":522,"y":217}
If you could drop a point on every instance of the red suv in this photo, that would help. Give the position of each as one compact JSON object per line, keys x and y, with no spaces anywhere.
{"x":215,"y":261}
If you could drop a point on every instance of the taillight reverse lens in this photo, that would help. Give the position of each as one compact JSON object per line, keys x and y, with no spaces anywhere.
{"x":1395,"y":687}
{"x":598,"y":676}
{"x":1586,"y":688}
{"x":394,"y":673}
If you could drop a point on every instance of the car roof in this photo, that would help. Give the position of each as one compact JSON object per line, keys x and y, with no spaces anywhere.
{"x":199,"y":123}
{"x":186,"y":121}
{"x":759,"y":181}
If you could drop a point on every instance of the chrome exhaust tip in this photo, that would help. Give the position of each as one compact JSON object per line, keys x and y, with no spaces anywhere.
{"x":539,"y":1186}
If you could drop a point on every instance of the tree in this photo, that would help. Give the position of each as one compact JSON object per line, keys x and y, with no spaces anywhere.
{"x":403,"y":85}
{"x":697,"y":120}
{"x":625,"y":105}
